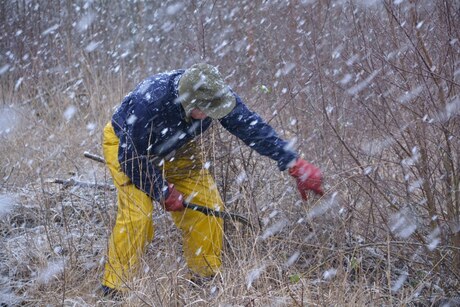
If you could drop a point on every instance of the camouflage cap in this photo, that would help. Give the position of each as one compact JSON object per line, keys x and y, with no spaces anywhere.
{"x":201,"y":86}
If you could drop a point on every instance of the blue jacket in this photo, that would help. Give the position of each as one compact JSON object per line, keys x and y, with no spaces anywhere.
{"x":151,"y":124}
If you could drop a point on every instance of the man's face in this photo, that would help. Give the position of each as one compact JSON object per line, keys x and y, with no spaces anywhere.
{"x":197,"y":114}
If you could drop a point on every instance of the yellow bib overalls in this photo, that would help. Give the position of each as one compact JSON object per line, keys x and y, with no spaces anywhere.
{"x":134,"y":229}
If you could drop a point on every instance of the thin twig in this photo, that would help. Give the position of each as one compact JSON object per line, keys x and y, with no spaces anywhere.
{"x":83,"y":184}
{"x":94,"y":157}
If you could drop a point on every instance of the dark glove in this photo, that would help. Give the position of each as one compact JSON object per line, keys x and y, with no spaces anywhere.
{"x":308,"y":178}
{"x":174,"y":201}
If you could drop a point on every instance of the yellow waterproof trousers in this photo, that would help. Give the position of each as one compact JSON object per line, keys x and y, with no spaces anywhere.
{"x":133,"y":230}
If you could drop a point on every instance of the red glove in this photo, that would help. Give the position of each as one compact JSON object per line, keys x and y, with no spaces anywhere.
{"x":308,"y":177}
{"x":174,"y":201}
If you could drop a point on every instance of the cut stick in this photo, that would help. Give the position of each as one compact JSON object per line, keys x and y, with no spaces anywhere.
{"x":94,"y":157}
{"x":83,"y":184}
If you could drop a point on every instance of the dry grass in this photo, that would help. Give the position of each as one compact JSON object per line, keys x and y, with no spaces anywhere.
{"x":55,"y":241}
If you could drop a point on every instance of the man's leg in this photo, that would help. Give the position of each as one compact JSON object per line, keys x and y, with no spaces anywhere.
{"x":202,"y":235}
{"x":133,"y":229}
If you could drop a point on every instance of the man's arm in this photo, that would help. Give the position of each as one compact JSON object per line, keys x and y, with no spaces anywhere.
{"x":143,"y":174}
{"x":249,"y":127}
{"x":133,"y":157}
{"x":254,"y":132}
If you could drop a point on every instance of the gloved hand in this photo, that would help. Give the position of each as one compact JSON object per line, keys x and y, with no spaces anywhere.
{"x":174,"y":200}
{"x":308,"y":177}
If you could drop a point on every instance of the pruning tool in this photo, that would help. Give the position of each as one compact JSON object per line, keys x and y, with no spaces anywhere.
{"x":217,"y":213}
{"x":205,"y":210}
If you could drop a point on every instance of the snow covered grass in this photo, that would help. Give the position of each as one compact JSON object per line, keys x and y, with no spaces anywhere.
{"x":55,"y":241}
